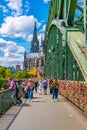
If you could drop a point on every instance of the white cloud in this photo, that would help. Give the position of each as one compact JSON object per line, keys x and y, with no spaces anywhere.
{"x":13,"y":49}
{"x":40,"y":37}
{"x":3,"y":43}
{"x":46,"y":1}
{"x":10,"y":46}
{"x":15,"y":27}
{"x":3,"y":8}
{"x":15,"y":5}
{"x":11,"y":53}
{"x":30,"y":37}
{"x":43,"y":28}
{"x":27,"y":7}
{"x":11,"y":61}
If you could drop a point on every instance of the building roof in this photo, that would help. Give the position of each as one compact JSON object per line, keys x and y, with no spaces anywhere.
{"x":34,"y":55}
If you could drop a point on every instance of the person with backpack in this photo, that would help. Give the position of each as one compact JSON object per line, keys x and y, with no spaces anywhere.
{"x":12,"y":87}
{"x":55,"y":88}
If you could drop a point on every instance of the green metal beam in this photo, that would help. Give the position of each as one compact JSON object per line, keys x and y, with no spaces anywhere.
{"x":71,"y":11}
{"x":56,"y":56}
{"x":61,"y":9}
{"x":69,"y":64}
{"x":60,"y":56}
{"x":85,"y":21}
{"x":66,"y":6}
{"x":56,"y":8}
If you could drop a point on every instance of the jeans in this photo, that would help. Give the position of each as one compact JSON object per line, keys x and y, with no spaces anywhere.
{"x":30,"y":94}
{"x":14,"y":96}
{"x":17,"y":96}
{"x":54,"y":93}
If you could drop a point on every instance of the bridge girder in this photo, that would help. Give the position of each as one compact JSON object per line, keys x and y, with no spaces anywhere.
{"x":59,"y":27}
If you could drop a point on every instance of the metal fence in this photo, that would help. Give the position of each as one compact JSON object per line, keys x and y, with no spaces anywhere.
{"x":6,"y":100}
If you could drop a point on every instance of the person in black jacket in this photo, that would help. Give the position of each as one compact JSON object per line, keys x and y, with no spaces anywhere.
{"x":19,"y":101}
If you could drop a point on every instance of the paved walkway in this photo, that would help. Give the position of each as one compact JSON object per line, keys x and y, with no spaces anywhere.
{"x":43,"y":114}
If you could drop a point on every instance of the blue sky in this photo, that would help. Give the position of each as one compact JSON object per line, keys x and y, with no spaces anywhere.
{"x":17,"y":19}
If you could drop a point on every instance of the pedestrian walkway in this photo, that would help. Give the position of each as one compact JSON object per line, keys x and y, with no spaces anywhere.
{"x":7,"y":119}
{"x":43,"y":114}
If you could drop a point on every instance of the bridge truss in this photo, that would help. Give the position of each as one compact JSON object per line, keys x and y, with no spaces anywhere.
{"x":66,"y":40}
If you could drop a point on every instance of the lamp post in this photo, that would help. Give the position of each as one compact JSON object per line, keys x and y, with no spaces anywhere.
{"x":52,"y":63}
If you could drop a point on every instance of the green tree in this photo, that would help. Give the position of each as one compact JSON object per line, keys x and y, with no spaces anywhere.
{"x":2,"y":72}
{"x":1,"y":83}
{"x":8,"y":73}
{"x":21,"y":75}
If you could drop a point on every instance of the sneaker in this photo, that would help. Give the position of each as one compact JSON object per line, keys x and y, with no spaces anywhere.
{"x":28,"y":100}
{"x":53,"y":100}
{"x":56,"y":100}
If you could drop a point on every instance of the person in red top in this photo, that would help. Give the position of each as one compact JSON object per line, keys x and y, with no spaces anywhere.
{"x":30,"y":89}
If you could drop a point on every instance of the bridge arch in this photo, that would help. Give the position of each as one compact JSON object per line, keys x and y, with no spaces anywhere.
{"x":63,"y":47}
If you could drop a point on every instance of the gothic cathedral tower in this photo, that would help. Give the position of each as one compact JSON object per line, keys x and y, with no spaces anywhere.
{"x":35,"y":42}
{"x":35,"y":58}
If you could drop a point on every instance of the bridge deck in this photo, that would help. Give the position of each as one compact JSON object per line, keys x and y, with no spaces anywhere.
{"x":43,"y":114}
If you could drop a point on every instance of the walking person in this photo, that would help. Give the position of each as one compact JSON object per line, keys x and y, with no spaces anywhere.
{"x":30,"y":87}
{"x":19,"y":101}
{"x":40,"y":87}
{"x":36,"y":85}
{"x":23,"y":88}
{"x":44,"y":82}
{"x":50,"y":85}
{"x":55,"y":88}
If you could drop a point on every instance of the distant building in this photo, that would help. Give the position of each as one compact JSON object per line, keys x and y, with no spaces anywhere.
{"x":13,"y":69}
{"x":18,"y":67}
{"x":34,"y":59}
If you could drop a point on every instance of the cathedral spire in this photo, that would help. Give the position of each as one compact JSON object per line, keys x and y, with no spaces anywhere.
{"x":35,"y":42}
{"x":25,"y":56}
{"x":35,"y":32}
{"x":24,"y":63}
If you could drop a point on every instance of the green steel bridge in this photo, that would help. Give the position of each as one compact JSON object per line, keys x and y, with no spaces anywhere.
{"x":66,"y":40}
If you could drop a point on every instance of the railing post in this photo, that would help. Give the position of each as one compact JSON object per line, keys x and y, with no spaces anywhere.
{"x":85,"y":22}
{"x":0,"y":103}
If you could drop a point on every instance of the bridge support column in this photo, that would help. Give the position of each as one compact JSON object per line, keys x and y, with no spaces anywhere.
{"x":60,"y":56}
{"x":69,"y":64}
{"x":85,"y":21}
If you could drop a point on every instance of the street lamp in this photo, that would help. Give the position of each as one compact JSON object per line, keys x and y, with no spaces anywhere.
{"x":52,"y":51}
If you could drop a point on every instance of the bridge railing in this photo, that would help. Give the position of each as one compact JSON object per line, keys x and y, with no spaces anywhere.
{"x":6,"y":100}
{"x":76,"y":92}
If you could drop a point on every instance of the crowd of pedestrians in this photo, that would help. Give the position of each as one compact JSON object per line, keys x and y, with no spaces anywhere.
{"x":33,"y":85}
{"x":40,"y":86}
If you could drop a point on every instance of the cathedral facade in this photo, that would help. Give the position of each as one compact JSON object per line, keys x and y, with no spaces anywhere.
{"x":34,"y":58}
